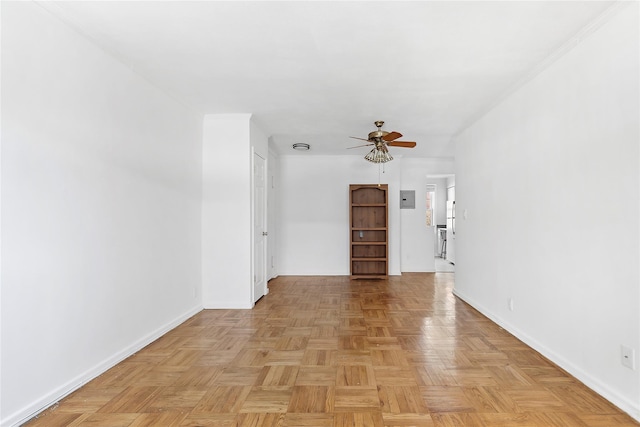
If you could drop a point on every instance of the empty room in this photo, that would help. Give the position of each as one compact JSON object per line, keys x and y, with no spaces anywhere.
{"x":310,"y":213}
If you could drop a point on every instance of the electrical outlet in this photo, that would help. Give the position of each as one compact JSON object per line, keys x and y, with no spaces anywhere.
{"x":510,"y":304}
{"x":628,"y":357}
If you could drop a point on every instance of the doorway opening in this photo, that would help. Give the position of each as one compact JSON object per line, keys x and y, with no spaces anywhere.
{"x":440,"y":194}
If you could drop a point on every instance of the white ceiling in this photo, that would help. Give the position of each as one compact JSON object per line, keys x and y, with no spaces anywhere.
{"x":318,"y":72}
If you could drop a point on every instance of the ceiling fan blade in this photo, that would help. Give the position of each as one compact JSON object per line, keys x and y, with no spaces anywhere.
{"x":355,"y":137}
{"x":391,"y":136}
{"x":358,"y":146}
{"x":405,"y":144}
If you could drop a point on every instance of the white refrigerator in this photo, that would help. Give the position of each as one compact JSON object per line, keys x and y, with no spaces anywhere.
{"x":451,"y":231}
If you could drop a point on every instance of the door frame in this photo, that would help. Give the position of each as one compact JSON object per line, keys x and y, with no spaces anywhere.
{"x":264,"y":219}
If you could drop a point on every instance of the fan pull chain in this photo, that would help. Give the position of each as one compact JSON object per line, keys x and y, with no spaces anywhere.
{"x":380,"y":170}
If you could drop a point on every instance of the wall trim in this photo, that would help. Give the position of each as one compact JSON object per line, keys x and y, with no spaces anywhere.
{"x":302,"y":274}
{"x":299,"y":273}
{"x":226,"y":305}
{"x":35,"y":408}
{"x":624,"y":404}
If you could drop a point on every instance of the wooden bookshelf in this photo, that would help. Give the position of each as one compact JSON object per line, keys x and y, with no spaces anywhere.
{"x":369,"y":220}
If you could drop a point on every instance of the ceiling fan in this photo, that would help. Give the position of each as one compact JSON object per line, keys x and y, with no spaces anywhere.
{"x":381,"y":141}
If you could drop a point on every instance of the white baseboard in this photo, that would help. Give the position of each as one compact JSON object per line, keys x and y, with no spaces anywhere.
{"x":331,"y":274}
{"x":417,"y":271}
{"x":227,"y":305}
{"x":306,"y":273}
{"x":34,"y":408}
{"x":626,"y":405}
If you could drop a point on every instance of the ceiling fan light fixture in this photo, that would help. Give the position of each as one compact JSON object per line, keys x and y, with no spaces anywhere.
{"x":381,"y":141}
{"x":378,"y":156}
{"x":301,"y":146}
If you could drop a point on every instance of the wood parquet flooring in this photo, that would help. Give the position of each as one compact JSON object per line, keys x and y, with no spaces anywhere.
{"x":329,"y":351}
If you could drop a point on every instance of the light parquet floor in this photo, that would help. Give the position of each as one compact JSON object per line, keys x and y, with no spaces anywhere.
{"x":329,"y":351}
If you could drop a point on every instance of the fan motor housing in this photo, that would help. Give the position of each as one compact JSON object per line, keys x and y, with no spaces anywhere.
{"x":377,"y":134}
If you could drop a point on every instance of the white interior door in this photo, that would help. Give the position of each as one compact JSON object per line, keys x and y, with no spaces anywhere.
{"x":259,"y":227}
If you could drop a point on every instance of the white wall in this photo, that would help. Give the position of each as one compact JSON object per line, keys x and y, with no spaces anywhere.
{"x":451,"y":182}
{"x":259,"y":140}
{"x":100,"y":211}
{"x":441,"y":199}
{"x":550,"y":180}
{"x":1,"y":416}
{"x":227,"y":222}
{"x":313,"y":212}
{"x":418,"y":242}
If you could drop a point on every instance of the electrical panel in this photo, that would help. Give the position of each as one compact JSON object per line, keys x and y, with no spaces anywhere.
{"x":407,"y":199}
